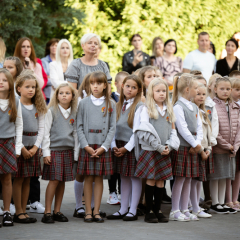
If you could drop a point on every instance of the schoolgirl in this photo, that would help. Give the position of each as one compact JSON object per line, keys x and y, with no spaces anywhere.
{"x":185,"y":160}
{"x":123,"y":148}
{"x":157,"y":136}
{"x":228,"y":141}
{"x":11,"y":126}
{"x":60,"y":148}
{"x":96,"y":125}
{"x":33,"y":110}
{"x":232,"y":187}
{"x":205,"y":158}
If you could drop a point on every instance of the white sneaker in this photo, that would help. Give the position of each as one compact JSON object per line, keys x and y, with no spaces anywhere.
{"x":202,"y":214}
{"x":119,"y":197}
{"x":113,"y":199}
{"x":37,"y":207}
{"x":12,"y":209}
{"x":1,"y":212}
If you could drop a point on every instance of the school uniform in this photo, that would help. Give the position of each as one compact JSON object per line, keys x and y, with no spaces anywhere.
{"x":33,"y":131}
{"x":10,"y":137}
{"x":95,"y":130}
{"x":115,"y":96}
{"x":151,"y":164}
{"x":190,"y":134}
{"x":60,"y":142}
{"x":124,"y":137}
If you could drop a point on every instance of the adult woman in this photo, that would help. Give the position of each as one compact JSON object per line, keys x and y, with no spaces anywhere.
{"x":230,"y":63}
{"x":25,"y":52}
{"x":80,"y":67}
{"x":136,"y":58}
{"x":64,"y":57}
{"x":157,"y":49}
{"x":212,"y":49}
{"x":2,"y":52}
{"x":168,"y":63}
{"x":50,"y":56}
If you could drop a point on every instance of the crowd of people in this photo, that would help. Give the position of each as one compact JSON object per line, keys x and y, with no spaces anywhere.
{"x":167,"y":120}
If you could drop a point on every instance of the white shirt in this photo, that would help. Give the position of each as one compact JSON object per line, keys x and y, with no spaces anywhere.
{"x":204,"y":62}
{"x":46,"y":138}
{"x":117,"y":93}
{"x":182,"y":125}
{"x":18,"y":124}
{"x":40,"y":127}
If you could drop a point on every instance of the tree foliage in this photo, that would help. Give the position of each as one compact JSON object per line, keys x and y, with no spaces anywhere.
{"x":40,"y":20}
{"x":116,"y":21}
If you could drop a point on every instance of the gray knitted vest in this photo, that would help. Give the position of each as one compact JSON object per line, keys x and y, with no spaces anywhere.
{"x":191,"y":120}
{"x":30,"y":125}
{"x":61,"y":133}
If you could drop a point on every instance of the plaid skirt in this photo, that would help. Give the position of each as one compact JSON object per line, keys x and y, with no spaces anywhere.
{"x":125,"y":165}
{"x":238,"y":160}
{"x":185,"y":164}
{"x":8,"y":160}
{"x":28,"y":167}
{"x":153,"y":165}
{"x":60,"y":167}
{"x":101,"y":166}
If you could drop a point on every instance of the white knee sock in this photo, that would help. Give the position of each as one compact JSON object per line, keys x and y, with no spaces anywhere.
{"x":221,"y":190}
{"x":78,"y":190}
{"x":213,"y":185}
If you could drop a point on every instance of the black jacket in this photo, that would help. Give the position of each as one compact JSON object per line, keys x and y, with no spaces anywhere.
{"x":223,"y":69}
{"x":128,"y":59}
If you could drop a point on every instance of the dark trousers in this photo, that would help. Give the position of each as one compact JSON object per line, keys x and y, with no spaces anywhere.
{"x":112,"y":183}
{"x":34,"y":194}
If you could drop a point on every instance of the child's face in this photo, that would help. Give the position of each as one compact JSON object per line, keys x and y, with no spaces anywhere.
{"x":28,"y":89}
{"x":148,"y":77}
{"x":4,"y":85}
{"x":97,"y":88}
{"x":65,"y":96}
{"x":158,"y":73}
{"x":203,"y":82}
{"x":223,"y":90}
{"x":201,"y":96}
{"x":119,"y":84}
{"x":193,"y":90}
{"x":236,"y":94}
{"x":130,"y":89}
{"x":11,"y":67}
{"x":159,"y":93}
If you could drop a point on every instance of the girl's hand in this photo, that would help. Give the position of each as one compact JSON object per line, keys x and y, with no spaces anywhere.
{"x":98,"y":152}
{"x":192,"y":151}
{"x":197,"y":148}
{"x":116,"y":152}
{"x":204,"y":156}
{"x":26,"y":154}
{"x":173,"y":126}
{"x":47,"y":160}
{"x":207,"y":153}
{"x":90,"y":150}
{"x":166,"y":151}
{"x":122,"y":150}
{"x":231,"y":148}
{"x":33,"y":150}
{"x":17,"y":156}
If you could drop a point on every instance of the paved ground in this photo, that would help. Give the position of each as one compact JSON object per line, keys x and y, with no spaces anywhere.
{"x":219,"y":227}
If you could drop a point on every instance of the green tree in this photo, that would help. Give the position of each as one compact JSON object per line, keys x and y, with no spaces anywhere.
{"x":116,"y":21}
{"x":40,"y":20}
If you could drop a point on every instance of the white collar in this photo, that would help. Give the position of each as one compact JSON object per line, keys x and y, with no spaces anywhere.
{"x":187,"y":103}
{"x":209,"y":102}
{"x":4,"y":104}
{"x":131,"y":100}
{"x":84,"y":93}
{"x":64,"y":110}
{"x":95,"y":99}
{"x":164,"y":107}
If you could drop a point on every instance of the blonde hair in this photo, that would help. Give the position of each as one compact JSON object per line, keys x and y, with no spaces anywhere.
{"x":151,"y":104}
{"x":223,"y":79}
{"x":54,"y":100}
{"x":235,"y":82}
{"x":58,"y":57}
{"x":180,"y":83}
{"x":137,"y":99}
{"x":85,"y":85}
{"x":2,"y":50}
{"x":137,"y":72}
{"x":211,"y":80}
{"x":37,"y":99}
{"x":157,"y":69}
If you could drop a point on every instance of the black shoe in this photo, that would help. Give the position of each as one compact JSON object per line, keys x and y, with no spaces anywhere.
{"x":161,"y":218}
{"x":31,"y":220}
{"x":217,"y":209}
{"x":140,"y":212}
{"x":19,"y":220}
{"x":230,"y":210}
{"x":133,"y":218}
{"x":79,"y":214}
{"x":59,"y":217}
{"x":115,"y":217}
{"x":98,"y":220}
{"x":166,"y":199}
{"x":151,"y":217}
{"x":102,"y":214}
{"x":7,"y":220}
{"x":47,"y":218}
{"x":142,"y":206}
{"x":88,"y":220}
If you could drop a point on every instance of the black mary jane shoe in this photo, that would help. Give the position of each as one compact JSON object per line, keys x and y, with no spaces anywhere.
{"x":161,"y":218}
{"x":150,"y":217}
{"x":47,"y":218}
{"x":59,"y":217}
{"x":79,"y":214}
{"x":132,"y":218}
{"x":16,"y":219}
{"x":88,"y":220}
{"x":7,"y":220}
{"x":115,"y":217}
{"x":102,"y":214}
{"x":31,"y":220}
{"x":98,"y":220}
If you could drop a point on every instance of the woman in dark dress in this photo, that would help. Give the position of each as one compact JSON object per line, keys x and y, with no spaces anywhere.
{"x":230,"y":63}
{"x":136,"y":58}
